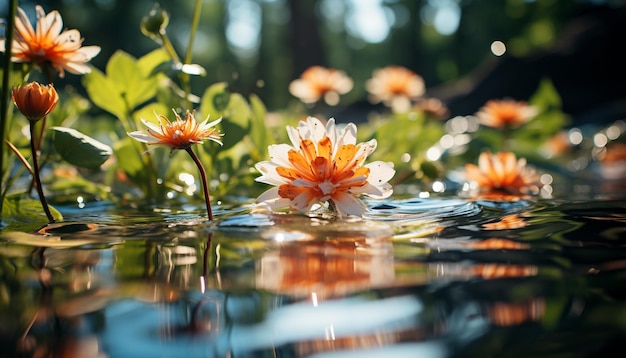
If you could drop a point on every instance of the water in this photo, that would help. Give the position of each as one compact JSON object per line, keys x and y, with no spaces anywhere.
{"x":418,"y":277}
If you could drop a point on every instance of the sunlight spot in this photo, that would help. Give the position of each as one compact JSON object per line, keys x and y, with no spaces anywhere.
{"x":439,"y":186}
{"x":575,"y":136}
{"x":498,"y":48}
{"x":546,"y":179}
{"x":405,"y":158}
{"x":600,"y":140}
{"x":433,"y":153}
{"x":186,"y":178}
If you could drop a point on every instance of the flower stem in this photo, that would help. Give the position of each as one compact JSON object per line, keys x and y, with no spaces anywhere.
{"x":36,"y":175}
{"x":205,"y":185}
{"x":4,"y":100}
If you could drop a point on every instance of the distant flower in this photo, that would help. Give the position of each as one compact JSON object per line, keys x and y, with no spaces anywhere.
{"x":179,"y":134}
{"x":432,"y":107}
{"x":502,"y":173}
{"x":34,"y":100}
{"x":505,"y":113}
{"x":395,"y":86}
{"x":324,"y":165}
{"x":318,"y":83}
{"x":49,"y":44}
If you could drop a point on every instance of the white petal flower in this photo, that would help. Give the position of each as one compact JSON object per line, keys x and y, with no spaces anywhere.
{"x":324,"y":164}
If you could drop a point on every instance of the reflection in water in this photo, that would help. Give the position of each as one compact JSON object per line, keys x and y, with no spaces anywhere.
{"x":430,"y":278}
{"x":325,"y":269}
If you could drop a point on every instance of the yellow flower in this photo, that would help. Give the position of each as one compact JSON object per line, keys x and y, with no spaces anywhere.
{"x":505,"y":113}
{"x":180,"y":134}
{"x":502,"y":173}
{"x":319,"y":82}
{"x":34,"y":100}
{"x":49,"y":44}
{"x":395,"y":86}
{"x":323,"y":165}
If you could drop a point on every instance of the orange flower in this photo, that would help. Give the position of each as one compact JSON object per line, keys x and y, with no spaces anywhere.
{"x":180,"y":134}
{"x":34,"y":100}
{"x":318,"y":82}
{"x":395,"y":86}
{"x":502,"y":173}
{"x":324,"y":165}
{"x":49,"y":44}
{"x":505,"y":113}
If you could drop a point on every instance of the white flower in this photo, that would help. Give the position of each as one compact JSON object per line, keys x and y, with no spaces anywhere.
{"x":323,"y":165}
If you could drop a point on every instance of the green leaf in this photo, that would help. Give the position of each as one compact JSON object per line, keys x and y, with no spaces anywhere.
{"x":129,"y":160}
{"x":546,"y":96}
{"x":80,"y":149}
{"x":258,"y":128}
{"x":134,"y":87}
{"x":210,"y":106}
{"x":19,"y":212}
{"x":103,"y":93}
{"x":152,"y":62}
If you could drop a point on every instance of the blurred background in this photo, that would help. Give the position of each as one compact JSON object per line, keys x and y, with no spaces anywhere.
{"x":467,"y":51}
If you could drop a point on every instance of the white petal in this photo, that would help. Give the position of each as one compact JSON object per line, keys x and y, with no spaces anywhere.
{"x":143,"y":137}
{"x":347,"y":135}
{"x":316,"y":128}
{"x":375,"y":192}
{"x":269,"y":174}
{"x":294,"y":136}
{"x":204,"y":125}
{"x":331,"y":132}
{"x":380,"y":172}
{"x":348,"y":204}
{"x":303,"y":202}
{"x":268,"y":195}
{"x":152,"y":126}
{"x":279,"y":154}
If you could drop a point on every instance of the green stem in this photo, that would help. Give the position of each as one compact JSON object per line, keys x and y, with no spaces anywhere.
{"x":36,"y":175}
{"x":205,"y":185}
{"x":4,"y":101}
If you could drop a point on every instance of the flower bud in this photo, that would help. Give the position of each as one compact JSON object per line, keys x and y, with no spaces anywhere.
{"x":34,"y":100}
{"x":154,"y":24}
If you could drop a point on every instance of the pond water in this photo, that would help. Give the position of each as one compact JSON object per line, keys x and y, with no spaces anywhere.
{"x":418,"y":277}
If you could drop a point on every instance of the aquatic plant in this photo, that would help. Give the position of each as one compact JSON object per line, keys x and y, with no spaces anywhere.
{"x":181,"y":134}
{"x":324,"y":165}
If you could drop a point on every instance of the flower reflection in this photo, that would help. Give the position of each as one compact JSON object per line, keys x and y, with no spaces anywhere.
{"x":502,"y":176}
{"x":506,"y":314}
{"x":505,"y":113}
{"x":318,"y":83}
{"x":513,"y":221}
{"x":498,"y":244}
{"x":395,"y":86}
{"x":323,"y":269}
{"x":493,"y":271}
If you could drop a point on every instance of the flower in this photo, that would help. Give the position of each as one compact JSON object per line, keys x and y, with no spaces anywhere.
{"x":49,"y":44}
{"x":395,"y":86}
{"x":318,"y":82}
{"x":324,"y":165}
{"x":180,"y":134}
{"x":505,"y":113}
{"x":502,"y":173}
{"x":34,"y":100}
